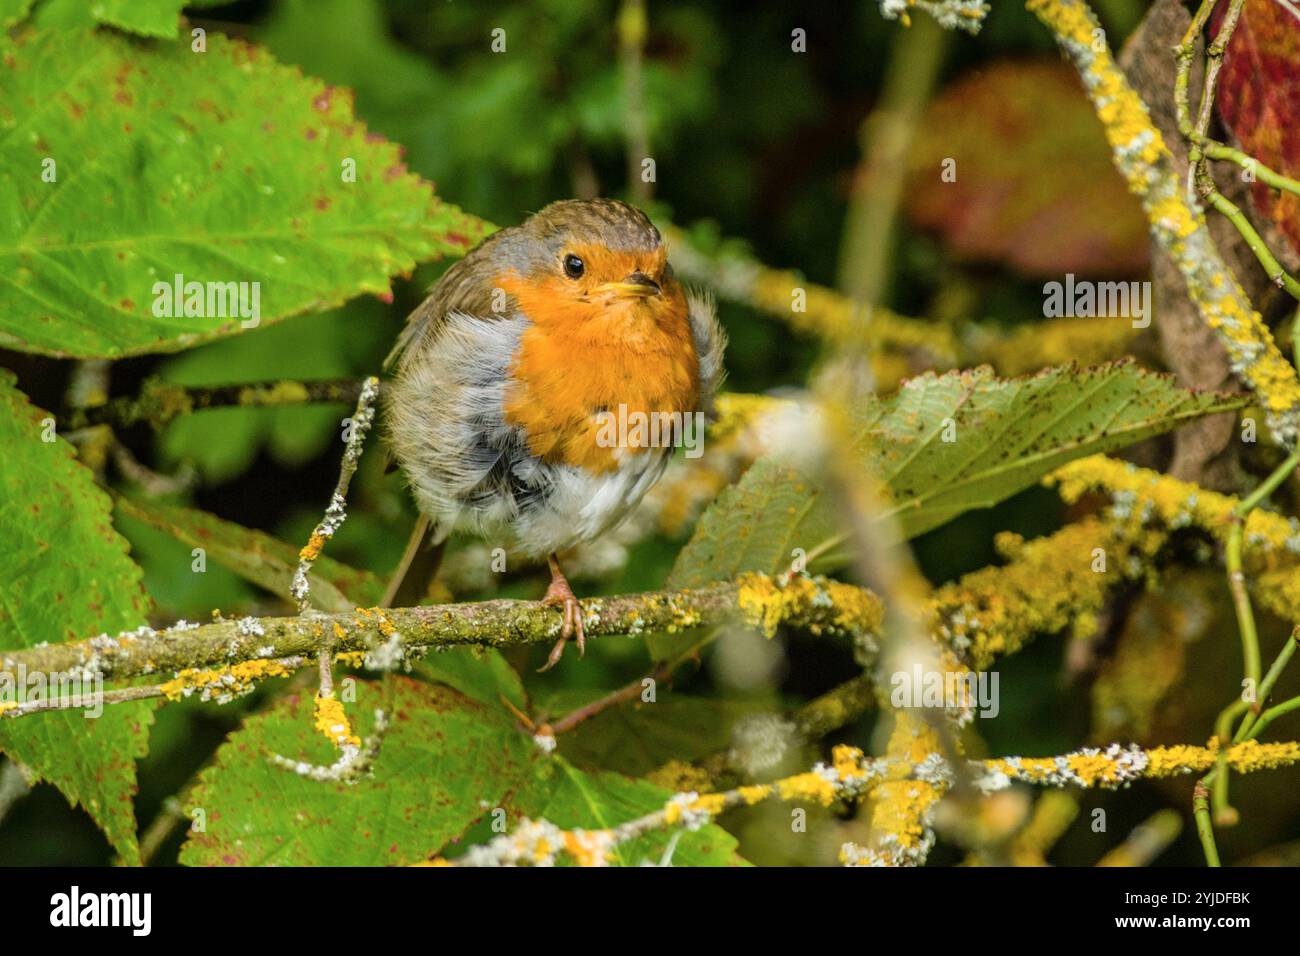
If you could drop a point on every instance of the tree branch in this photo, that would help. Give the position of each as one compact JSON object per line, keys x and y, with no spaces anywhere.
{"x":817,"y":604}
{"x":851,"y":775}
{"x":1177,"y":223}
{"x":158,"y":402}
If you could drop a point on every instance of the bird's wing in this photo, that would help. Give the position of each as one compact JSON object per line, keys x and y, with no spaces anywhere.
{"x":710,"y":343}
{"x":465,"y":288}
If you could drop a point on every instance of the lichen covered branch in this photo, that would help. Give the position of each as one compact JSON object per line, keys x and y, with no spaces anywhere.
{"x":158,"y":402}
{"x":191,"y":651}
{"x":336,"y":513}
{"x":851,"y":776}
{"x":1177,"y":223}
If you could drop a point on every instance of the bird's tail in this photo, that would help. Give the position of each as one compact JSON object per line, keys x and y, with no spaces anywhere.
{"x":419,"y":564}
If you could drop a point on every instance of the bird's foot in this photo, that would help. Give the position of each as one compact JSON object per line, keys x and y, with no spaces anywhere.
{"x":560,"y":595}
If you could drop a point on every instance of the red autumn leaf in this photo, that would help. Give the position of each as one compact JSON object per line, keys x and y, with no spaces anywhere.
{"x":1259,"y":102}
{"x":1035,"y":187}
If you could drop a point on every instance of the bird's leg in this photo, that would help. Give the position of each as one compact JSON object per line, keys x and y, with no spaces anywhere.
{"x":560,"y":595}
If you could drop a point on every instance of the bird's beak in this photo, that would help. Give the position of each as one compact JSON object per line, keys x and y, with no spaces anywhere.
{"x":637,"y":285}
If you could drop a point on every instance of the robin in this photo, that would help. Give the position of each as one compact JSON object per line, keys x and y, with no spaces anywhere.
{"x":508,"y":374}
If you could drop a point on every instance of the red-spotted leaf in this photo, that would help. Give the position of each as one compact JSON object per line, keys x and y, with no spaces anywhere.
{"x":1011,"y":166}
{"x":253,"y":184}
{"x":1259,"y":102}
{"x":449,"y":767}
{"x":446,"y":761}
{"x":65,"y":575}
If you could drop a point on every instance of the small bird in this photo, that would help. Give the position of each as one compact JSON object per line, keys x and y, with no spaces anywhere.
{"x":506,"y":376}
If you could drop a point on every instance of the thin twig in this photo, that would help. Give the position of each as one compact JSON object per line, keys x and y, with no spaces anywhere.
{"x":170,"y":815}
{"x":851,"y":776}
{"x":628,"y":692}
{"x":632,"y":29}
{"x":1224,"y":815}
{"x":1272,"y":268}
{"x":1179,"y":226}
{"x":159,"y":402}
{"x":336,"y":513}
{"x":1250,"y":164}
{"x":1213,"y":64}
{"x":1249,"y":723}
{"x":152,"y":483}
{"x":1272,"y":714}
{"x":1204,"y":828}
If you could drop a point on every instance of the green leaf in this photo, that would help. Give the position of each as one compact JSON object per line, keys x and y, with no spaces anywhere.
{"x":220,"y":167}
{"x":266,"y":561}
{"x":176,"y":591}
{"x":638,"y":738}
{"x":150,"y":18}
{"x":446,"y":762}
{"x":400,"y":92}
{"x":1005,"y":435}
{"x":754,"y":525}
{"x":566,"y":796}
{"x":65,"y":575}
{"x":482,"y":673}
{"x":12,"y":11}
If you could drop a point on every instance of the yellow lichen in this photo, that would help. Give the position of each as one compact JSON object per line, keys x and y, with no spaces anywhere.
{"x":1088,"y":341}
{"x":807,"y":786}
{"x":222,"y":682}
{"x":839,"y":318}
{"x":281,"y":393}
{"x":900,"y":808}
{"x":312,"y":549}
{"x":737,"y":411}
{"x":1144,"y":160}
{"x":332,"y":721}
{"x":680,"y":776}
{"x":165,"y":401}
{"x":1051,"y":583}
{"x":846,"y":760}
{"x":766,"y":603}
{"x":588,"y":847}
{"x":1154,"y":503}
{"x":710,"y":803}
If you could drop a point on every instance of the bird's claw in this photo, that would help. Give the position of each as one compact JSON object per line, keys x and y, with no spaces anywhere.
{"x":559,"y":595}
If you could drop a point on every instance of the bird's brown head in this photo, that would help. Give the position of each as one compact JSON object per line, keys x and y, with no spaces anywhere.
{"x":597,"y":266}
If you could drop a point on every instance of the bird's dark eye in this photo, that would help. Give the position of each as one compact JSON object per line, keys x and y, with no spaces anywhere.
{"x":573,"y":267}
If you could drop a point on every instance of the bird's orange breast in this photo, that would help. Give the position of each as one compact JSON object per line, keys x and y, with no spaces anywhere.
{"x":577,"y":360}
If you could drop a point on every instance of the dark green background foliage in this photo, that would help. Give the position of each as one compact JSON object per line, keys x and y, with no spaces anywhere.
{"x":750,"y":141}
